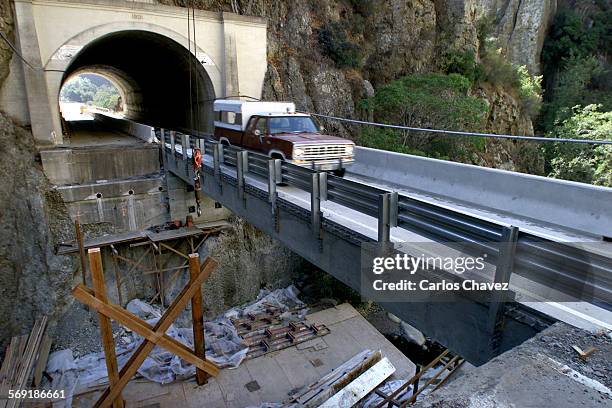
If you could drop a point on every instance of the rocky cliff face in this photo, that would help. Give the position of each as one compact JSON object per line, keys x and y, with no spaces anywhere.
{"x":33,"y":280}
{"x":393,"y":38}
{"x":519,"y":26}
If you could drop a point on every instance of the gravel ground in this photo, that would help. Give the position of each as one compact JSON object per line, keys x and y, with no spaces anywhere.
{"x":78,"y":330}
{"x":536,"y":374}
{"x":559,"y":342}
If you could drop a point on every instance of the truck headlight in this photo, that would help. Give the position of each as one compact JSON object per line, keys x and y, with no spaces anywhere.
{"x":298,"y":152}
{"x":350,"y":149}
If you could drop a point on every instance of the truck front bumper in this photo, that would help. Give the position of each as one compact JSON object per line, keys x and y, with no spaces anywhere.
{"x":324,"y":165}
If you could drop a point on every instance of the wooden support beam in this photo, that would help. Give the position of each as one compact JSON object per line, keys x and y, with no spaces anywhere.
{"x":168,"y":247}
{"x":197,"y":315}
{"x":184,"y":265}
{"x":139,"y":326}
{"x":414,"y":378}
{"x":141,"y":353}
{"x":79,"y":238}
{"x":106,"y":328}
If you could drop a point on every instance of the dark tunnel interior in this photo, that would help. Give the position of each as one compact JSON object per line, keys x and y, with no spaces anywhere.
{"x":153,"y":72}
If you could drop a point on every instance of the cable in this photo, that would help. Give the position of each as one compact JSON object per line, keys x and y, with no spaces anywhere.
{"x":190,"y":70}
{"x":10,"y":44}
{"x":196,"y":73}
{"x":470,"y":134}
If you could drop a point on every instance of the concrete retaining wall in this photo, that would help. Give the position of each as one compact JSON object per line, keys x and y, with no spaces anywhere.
{"x":568,"y":204}
{"x":82,"y":165}
{"x":142,"y":132}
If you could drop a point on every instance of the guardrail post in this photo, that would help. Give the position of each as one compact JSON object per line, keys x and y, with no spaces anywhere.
{"x":217,"y":159}
{"x":315,"y":205}
{"x":242,"y":166}
{"x":393,"y":208}
{"x":323,"y":186}
{"x":274,"y":169}
{"x":172,"y":142}
{"x":184,"y":145}
{"x":384,"y":218}
{"x":503,"y":273}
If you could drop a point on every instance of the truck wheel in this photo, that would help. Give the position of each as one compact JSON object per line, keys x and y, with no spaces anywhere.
{"x":339,"y":172}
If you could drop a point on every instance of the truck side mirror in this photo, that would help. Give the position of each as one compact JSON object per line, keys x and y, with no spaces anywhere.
{"x":322,"y":129}
{"x":257,"y":132}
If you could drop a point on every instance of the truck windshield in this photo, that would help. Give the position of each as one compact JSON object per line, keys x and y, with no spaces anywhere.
{"x":292,"y":124}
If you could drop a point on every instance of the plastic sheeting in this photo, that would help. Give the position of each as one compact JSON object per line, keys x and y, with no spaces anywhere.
{"x":223,"y":346}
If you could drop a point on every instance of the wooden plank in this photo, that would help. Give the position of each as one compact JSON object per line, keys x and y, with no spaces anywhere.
{"x":102,"y":241}
{"x":168,"y":247}
{"x":79,"y":238}
{"x":197,"y":315}
{"x":173,"y":234}
{"x":327,"y":385}
{"x":414,"y":378}
{"x":28,"y":358}
{"x":106,"y":328}
{"x":134,"y":323}
{"x":361,"y":386}
{"x":41,"y":363}
{"x":430,"y":380}
{"x":8,"y":369}
{"x":141,"y":353}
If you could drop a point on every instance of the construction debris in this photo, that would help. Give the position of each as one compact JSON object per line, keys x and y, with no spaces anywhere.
{"x":584,"y":353}
{"x":317,"y":393}
{"x":22,"y":354}
{"x":399,"y":396}
{"x":361,"y":386}
{"x":224,"y":346}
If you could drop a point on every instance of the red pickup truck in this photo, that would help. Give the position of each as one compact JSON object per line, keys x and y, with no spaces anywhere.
{"x":277,"y":130}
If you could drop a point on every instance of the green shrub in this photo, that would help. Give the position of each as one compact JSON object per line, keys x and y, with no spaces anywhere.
{"x":336,"y":44}
{"x":106,"y":97}
{"x":530,"y":90}
{"x":425,"y":101}
{"x":581,"y":162}
{"x":575,"y":85}
{"x":571,"y":35}
{"x":463,"y":63}
{"x":79,"y":89}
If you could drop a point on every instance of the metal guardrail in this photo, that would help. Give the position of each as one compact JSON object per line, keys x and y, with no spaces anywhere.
{"x":573,"y":270}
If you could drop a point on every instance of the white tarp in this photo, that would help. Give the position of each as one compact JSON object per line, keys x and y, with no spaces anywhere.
{"x":223,"y":347}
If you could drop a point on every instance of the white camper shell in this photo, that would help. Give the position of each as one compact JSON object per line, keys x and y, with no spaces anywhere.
{"x":235,"y":114}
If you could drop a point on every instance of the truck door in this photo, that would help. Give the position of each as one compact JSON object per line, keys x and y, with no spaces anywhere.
{"x":256,"y":134}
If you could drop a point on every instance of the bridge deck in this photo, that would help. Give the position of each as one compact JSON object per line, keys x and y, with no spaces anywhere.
{"x":580,"y":314}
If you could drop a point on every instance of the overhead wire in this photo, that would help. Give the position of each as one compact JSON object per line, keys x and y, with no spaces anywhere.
{"x":189,"y":57}
{"x":22,"y":58}
{"x":468,"y":134}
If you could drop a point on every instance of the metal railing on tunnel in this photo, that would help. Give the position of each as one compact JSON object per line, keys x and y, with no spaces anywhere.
{"x":573,"y":270}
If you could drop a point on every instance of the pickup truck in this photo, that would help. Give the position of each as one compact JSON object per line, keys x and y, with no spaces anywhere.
{"x":277,"y":130}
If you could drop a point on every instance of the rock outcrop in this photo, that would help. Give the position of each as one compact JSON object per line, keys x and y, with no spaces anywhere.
{"x":393,"y":38}
{"x":33,"y":218}
{"x":519,"y":26}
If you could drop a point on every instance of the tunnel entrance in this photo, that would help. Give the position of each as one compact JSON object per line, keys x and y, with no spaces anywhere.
{"x":88,"y":92}
{"x":159,"y":81}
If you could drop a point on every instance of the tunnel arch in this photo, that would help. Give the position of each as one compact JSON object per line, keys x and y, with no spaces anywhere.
{"x":151,"y":64}
{"x":127,"y":88}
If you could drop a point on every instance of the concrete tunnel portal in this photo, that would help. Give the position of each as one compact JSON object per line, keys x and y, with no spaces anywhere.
{"x":161,"y":82}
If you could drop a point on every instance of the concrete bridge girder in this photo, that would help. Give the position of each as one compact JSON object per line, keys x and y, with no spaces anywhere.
{"x":54,"y":34}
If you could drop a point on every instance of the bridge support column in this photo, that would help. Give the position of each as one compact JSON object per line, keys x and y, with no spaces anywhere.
{"x":44,"y":119}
